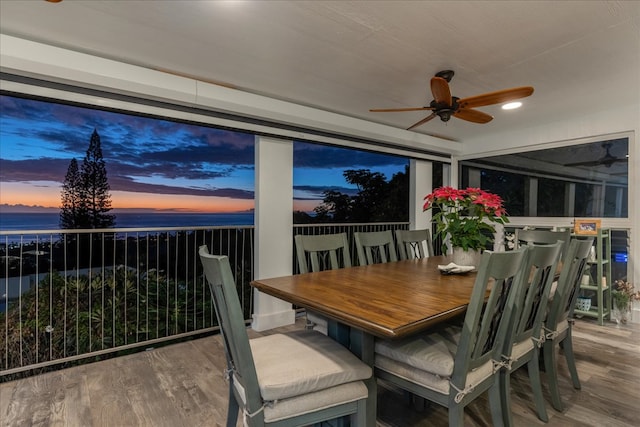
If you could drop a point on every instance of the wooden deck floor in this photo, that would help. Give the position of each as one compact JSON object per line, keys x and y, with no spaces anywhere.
{"x":182,"y":385}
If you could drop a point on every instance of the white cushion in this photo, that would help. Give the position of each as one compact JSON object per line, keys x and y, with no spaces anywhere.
{"x":552,"y":290}
{"x":562,"y":326}
{"x":311,"y":402}
{"x":303,"y":362}
{"x":428,"y":379}
{"x":521,"y":348}
{"x":432,"y":352}
{"x":427,"y":360}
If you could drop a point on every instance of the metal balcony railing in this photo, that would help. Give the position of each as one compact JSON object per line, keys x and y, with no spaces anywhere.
{"x":73,"y":294}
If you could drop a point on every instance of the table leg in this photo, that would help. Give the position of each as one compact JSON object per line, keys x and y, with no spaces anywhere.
{"x":339,"y":332}
{"x":362,"y":345}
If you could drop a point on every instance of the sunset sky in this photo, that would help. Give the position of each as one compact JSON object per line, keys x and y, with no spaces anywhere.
{"x":153,"y":164}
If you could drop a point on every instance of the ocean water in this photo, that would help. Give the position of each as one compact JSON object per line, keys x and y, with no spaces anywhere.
{"x":50,"y":221}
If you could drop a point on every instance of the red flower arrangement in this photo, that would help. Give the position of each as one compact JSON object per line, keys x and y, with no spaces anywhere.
{"x":465,"y":215}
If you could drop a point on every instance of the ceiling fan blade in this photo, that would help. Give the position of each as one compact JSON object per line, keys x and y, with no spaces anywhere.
{"x":471,"y":115}
{"x":497,"y":97}
{"x":604,"y":161}
{"x":425,"y":120}
{"x":441,"y":92}
{"x":395,"y":110}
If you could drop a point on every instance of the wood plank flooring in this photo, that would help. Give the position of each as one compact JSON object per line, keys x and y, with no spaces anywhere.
{"x":182,"y":385}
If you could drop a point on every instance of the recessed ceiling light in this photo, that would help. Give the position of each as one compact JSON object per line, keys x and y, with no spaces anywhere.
{"x":512,"y":105}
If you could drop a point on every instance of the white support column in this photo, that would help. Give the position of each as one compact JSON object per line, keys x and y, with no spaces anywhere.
{"x":274,"y":228}
{"x":420,"y":184}
{"x":475,"y":178}
{"x":450,"y":174}
{"x":619,"y":202}
{"x":569,"y":199}
{"x":598,"y":200}
{"x":531,"y":197}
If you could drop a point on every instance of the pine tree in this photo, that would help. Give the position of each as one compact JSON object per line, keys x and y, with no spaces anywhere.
{"x":96,"y":186}
{"x":73,"y":208}
{"x":85,"y":193}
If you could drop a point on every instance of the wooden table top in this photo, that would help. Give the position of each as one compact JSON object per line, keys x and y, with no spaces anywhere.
{"x":390,"y":300}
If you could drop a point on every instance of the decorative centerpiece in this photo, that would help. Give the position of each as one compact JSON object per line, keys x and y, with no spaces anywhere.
{"x":466,"y":217}
{"x":623,"y":294}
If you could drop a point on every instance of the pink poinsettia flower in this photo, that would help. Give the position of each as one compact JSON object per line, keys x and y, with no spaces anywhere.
{"x":465,"y":215}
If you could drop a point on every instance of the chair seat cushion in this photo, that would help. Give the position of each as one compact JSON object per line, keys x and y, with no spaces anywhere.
{"x":311,"y":402}
{"x":562,"y":326}
{"x":432,"y":352}
{"x":303,"y":362}
{"x":428,"y":379}
{"x":427,"y":360}
{"x":521,"y":348}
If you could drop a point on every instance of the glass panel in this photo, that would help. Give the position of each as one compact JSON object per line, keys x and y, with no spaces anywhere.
{"x":583,"y":180}
{"x":549,"y":192}
{"x":585,"y":200}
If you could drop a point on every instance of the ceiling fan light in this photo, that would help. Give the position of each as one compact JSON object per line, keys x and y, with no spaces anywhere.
{"x":512,"y":105}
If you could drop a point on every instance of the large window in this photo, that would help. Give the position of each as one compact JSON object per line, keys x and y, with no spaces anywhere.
{"x":169,"y":172}
{"x":585,"y":180}
{"x":160,"y":172}
{"x":335,"y":184}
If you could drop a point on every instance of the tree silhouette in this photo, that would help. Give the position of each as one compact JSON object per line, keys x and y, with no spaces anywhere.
{"x":376,"y":201}
{"x":96,"y":185}
{"x":85,"y":193}
{"x":73,"y":209}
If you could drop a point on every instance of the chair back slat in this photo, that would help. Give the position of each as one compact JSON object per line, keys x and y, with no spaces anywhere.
{"x":232,"y":327}
{"x":485,"y":324}
{"x":531,"y":304}
{"x":322,"y":252}
{"x":573,"y":269}
{"x":414,"y":244}
{"x":375,"y":247}
{"x":543,"y":237}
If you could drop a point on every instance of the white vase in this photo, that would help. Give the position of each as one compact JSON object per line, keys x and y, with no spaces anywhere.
{"x":468,"y":257}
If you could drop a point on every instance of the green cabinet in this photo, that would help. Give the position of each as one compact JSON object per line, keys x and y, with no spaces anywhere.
{"x":596,"y":284}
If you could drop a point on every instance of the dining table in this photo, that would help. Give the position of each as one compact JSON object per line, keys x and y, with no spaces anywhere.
{"x":380,"y":301}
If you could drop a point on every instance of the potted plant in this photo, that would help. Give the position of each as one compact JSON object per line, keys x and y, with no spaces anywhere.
{"x":466,"y":217}
{"x":623,"y":293}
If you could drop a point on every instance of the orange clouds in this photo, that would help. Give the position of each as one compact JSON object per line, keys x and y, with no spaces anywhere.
{"x":47,"y":194}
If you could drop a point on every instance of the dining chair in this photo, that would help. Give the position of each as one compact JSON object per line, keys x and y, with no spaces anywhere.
{"x":375,"y":247}
{"x":543,"y":237}
{"x":318,"y":253}
{"x":414,"y":243}
{"x":453,"y":365}
{"x":558,"y":322}
{"x":286,"y":379}
{"x":525,"y":337}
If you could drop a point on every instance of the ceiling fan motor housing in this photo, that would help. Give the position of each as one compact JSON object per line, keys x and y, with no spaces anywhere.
{"x":445,"y":111}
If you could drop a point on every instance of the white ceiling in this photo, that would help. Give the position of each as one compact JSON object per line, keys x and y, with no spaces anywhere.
{"x":349,"y":56}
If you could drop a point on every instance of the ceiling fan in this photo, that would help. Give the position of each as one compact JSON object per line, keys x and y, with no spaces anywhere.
{"x":606,"y":160}
{"x":444,"y":105}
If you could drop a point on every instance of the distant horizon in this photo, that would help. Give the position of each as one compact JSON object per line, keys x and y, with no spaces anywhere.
{"x":17,"y":209}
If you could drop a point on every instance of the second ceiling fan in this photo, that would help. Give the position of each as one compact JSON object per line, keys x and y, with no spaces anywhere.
{"x":445,"y":106}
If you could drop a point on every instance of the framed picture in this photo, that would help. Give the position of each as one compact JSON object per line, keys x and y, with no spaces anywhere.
{"x":586,"y":226}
